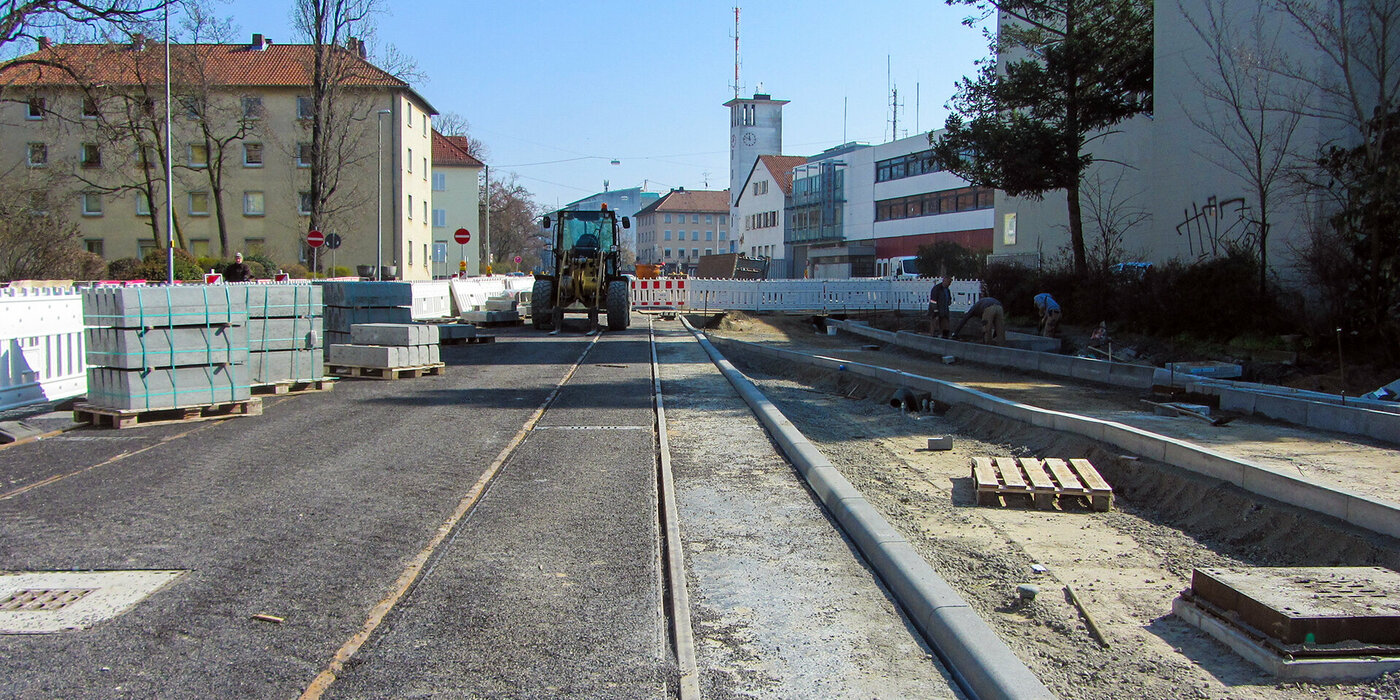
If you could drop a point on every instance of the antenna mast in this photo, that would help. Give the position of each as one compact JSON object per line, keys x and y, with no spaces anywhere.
{"x":736,"y":86}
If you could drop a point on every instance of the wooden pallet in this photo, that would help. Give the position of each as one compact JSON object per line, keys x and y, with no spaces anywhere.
{"x":1042,"y":480}
{"x":120,"y":418}
{"x":290,"y":387}
{"x":468,"y":341}
{"x":386,"y":372}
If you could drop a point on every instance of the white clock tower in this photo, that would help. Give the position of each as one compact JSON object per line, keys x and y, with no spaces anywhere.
{"x":755,"y":129}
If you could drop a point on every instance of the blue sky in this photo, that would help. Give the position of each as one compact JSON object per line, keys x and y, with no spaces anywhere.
{"x":553,"y":80}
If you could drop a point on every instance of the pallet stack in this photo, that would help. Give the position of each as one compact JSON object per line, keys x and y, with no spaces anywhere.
{"x":497,"y":311}
{"x":386,"y":351}
{"x":168,"y":350}
{"x":285,"y":336}
{"x":351,"y":303}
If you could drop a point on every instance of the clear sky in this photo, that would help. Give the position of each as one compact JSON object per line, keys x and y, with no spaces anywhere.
{"x":644,"y":83}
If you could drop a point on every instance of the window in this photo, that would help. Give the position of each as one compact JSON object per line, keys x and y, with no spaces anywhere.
{"x":199,"y":156}
{"x":254,"y":244}
{"x":90,"y":108}
{"x":723,"y":235}
{"x":199,"y":204}
{"x":303,"y":155}
{"x":425,"y":245}
{"x":709,"y":218}
{"x":410,"y":160}
{"x":410,"y":210}
{"x":694,"y":218}
{"x":92,"y":156}
{"x":144,"y":248}
{"x":305,"y":107}
{"x":252,"y":108}
{"x":694,"y":235}
{"x":425,"y":167}
{"x":253,"y":155}
{"x":931,"y":203}
{"x":668,"y":235}
{"x":92,"y":204}
{"x":439,"y":218}
{"x":668,"y":253}
{"x":694,"y":252}
{"x":709,"y":235}
{"x":200,"y":247}
{"x":36,"y":108}
{"x":304,"y":203}
{"x":191,"y":107}
{"x":410,"y":251}
{"x":409,"y":113}
{"x":723,"y":219}
{"x":254,"y":204}
{"x":668,"y":220}
{"x":93,"y":245}
{"x":147,"y":154}
{"x":731,"y":246}
{"x":439,"y":182}
{"x":680,"y":252}
{"x":38,"y":155}
{"x":143,"y":205}
{"x":425,"y":212}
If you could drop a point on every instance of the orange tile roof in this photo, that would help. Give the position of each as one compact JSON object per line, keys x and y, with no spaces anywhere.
{"x":699,"y":201}
{"x":452,"y":150}
{"x":781,"y":168}
{"x":277,"y":65}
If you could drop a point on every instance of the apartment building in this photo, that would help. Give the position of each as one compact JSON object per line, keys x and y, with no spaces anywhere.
{"x":456,"y":200}
{"x":683,"y":225}
{"x":760,"y":218}
{"x":241,"y":133}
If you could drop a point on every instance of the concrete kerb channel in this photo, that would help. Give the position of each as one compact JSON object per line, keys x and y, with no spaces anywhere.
{"x":1371,"y":419}
{"x":981,"y":663}
{"x":1376,"y":516}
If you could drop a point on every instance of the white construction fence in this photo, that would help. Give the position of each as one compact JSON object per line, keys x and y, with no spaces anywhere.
{"x":41,"y":345}
{"x":821,"y":296}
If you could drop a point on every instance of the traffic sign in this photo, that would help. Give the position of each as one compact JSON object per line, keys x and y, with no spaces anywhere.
{"x":462,"y":236}
{"x":517,"y":259}
{"x":315,"y":239}
{"x":333,"y":241}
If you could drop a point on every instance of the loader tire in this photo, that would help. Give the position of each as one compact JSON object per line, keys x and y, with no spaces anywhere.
{"x":542,"y":304}
{"x":619,"y":306}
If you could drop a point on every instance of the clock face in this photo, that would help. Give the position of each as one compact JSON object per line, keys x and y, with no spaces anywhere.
{"x":749,"y":138}
{"x":731,"y":140}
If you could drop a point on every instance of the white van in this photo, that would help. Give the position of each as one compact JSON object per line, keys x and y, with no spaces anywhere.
{"x":901,"y":268}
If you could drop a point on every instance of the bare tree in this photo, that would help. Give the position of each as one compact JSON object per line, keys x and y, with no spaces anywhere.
{"x":454,"y":124}
{"x":1246,"y":111}
{"x":1110,"y":217}
{"x":37,"y":239}
{"x":33,"y":19}
{"x":515,"y":225}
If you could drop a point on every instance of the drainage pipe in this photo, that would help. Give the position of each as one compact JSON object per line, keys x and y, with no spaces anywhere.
{"x":981,"y":663}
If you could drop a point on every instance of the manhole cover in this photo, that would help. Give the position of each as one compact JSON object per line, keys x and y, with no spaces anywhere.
{"x":43,"y":599}
{"x":41,"y":602}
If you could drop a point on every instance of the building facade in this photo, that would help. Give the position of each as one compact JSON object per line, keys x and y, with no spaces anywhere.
{"x":241,"y":118}
{"x":681,"y":226}
{"x":456,"y":181}
{"x":760,"y":221}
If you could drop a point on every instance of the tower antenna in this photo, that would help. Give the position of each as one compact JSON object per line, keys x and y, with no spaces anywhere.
{"x":736,"y":86}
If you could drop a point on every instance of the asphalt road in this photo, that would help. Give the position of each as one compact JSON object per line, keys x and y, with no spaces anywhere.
{"x":312,"y":511}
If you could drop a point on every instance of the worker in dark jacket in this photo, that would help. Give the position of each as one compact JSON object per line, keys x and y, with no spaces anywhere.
{"x":940,"y":301}
{"x":237,"y":271}
{"x":993,"y":320}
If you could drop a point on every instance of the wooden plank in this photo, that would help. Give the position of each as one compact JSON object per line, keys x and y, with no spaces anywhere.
{"x":1011,"y":475}
{"x":1065,"y":477}
{"x":1042,"y":487}
{"x":1100,"y":493}
{"x":122,"y":419}
{"x":984,"y":474}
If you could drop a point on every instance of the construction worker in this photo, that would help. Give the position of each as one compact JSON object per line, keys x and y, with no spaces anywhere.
{"x":993,"y":320}
{"x":940,"y":301}
{"x":1049,"y":314}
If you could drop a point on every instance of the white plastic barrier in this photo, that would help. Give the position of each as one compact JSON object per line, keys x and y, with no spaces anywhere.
{"x":41,"y":345}
{"x":796,"y":295}
{"x":470,"y":293}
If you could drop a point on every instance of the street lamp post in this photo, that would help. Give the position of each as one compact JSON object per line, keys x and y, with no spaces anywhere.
{"x":487,"y":225}
{"x":169,"y":166}
{"x":379,"y":194}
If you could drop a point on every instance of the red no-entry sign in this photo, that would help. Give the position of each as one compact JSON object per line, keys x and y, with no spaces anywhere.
{"x":315,"y":239}
{"x":462,"y":236}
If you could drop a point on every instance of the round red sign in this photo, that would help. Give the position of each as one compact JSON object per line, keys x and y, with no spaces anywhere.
{"x":462,"y":236}
{"x":315,"y":239}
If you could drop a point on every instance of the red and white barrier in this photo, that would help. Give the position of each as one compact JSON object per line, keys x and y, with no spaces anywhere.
{"x":660,"y":293}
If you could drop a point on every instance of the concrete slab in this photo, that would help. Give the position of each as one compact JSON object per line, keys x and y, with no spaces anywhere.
{"x":401,"y":334}
{"x":285,"y":365}
{"x":167,"y":387}
{"x":340,"y":319}
{"x":140,"y":348}
{"x":351,"y":294}
{"x":282,"y":300}
{"x":163,"y":306}
{"x":59,"y":601}
{"x":264,"y":334}
{"x":383,"y":356}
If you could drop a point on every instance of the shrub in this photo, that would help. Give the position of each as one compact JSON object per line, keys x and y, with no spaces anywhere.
{"x":949,"y":258}
{"x":186,"y":266}
{"x":340,"y":271}
{"x":296,"y":271}
{"x":124,"y":269}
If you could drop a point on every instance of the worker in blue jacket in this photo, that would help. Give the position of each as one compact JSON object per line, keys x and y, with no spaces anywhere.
{"x":1049,"y":314}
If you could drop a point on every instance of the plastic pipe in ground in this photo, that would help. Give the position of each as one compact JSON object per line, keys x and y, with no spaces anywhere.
{"x":982,"y":664}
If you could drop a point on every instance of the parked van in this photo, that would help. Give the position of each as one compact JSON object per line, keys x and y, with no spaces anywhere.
{"x":901,"y":268}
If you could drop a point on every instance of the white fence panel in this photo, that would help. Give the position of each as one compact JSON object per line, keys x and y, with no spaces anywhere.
{"x":472,"y":292}
{"x":41,"y":346}
{"x":797,"y":295}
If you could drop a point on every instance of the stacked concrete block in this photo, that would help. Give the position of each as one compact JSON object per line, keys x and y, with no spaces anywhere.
{"x":285,"y":333}
{"x":387,"y":346}
{"x":152,"y":348}
{"x":351,"y":303}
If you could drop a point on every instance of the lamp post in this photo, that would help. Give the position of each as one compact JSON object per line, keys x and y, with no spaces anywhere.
{"x":379,"y":194}
{"x":487,"y":225}
{"x":169,"y":175}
